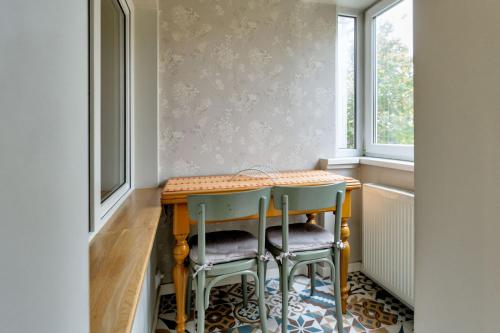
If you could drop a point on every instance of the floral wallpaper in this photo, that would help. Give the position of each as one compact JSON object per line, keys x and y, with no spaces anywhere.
{"x":243,"y":83}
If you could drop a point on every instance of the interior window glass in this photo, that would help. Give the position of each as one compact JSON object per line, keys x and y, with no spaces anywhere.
{"x":394,"y":75}
{"x":346,"y":113}
{"x":113,"y":99}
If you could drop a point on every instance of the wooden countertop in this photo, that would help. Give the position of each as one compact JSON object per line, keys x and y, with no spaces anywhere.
{"x":118,"y":258}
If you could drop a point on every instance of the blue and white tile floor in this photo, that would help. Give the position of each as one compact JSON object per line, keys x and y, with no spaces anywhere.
{"x":370,"y":309}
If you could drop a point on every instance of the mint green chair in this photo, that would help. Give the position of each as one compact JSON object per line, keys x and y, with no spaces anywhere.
{"x":223,"y":254}
{"x":306,"y":244}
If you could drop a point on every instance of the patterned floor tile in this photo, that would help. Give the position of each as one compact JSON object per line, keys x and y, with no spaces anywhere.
{"x":306,"y":322}
{"x":167,"y":304}
{"x":295,"y":306}
{"x":231,"y":294}
{"x":249,"y":314}
{"x":220,"y":317}
{"x":245,"y":329}
{"x":272,"y":287}
{"x":370,"y":309}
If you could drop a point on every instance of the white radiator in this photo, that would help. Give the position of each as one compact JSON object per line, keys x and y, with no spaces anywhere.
{"x":388,"y":239}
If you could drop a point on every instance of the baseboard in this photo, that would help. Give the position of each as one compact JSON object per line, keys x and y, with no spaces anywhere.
{"x":355,"y":267}
{"x":272,"y":273}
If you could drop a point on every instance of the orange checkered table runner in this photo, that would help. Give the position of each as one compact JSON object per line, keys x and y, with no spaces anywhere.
{"x":227,"y":183}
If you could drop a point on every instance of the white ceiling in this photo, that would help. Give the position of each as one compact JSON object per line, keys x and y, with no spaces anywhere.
{"x":355,"y":4}
{"x":153,"y":4}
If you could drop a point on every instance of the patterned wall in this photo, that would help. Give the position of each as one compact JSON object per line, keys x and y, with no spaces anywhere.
{"x":245,"y":83}
{"x":242,"y":83}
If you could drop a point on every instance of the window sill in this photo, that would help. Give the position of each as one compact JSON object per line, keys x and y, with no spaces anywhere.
{"x":354,"y":162}
{"x":118,"y":258}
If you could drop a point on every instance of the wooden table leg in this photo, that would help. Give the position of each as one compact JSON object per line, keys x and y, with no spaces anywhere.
{"x":311,"y":218}
{"x":180,"y":252}
{"x":346,"y":251}
{"x":344,"y":263}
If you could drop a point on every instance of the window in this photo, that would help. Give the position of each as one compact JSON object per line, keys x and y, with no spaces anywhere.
{"x":110,"y":102}
{"x":346,"y":116}
{"x":113,"y":98}
{"x":347,"y":136}
{"x":389,"y":80}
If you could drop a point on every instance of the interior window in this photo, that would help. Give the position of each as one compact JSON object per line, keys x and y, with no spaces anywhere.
{"x":346,"y":99}
{"x":113,"y":98}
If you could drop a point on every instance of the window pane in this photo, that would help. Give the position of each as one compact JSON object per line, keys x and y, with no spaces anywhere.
{"x":394,"y":75}
{"x":346,"y":113}
{"x":112,"y":97}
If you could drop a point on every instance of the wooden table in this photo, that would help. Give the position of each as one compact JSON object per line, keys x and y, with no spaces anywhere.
{"x":176,"y":191}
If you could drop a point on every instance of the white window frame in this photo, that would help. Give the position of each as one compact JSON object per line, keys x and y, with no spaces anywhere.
{"x":100,"y":212}
{"x":372,"y":149}
{"x":357,"y":151}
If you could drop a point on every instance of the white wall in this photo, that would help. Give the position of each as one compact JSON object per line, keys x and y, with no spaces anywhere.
{"x":145,"y":22}
{"x":43,"y":167}
{"x":390,"y":177}
{"x":457,"y":117}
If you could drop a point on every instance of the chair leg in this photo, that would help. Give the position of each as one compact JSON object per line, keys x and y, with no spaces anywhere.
{"x":244,"y":288}
{"x":200,"y":304}
{"x":338,"y":298}
{"x":332,"y":274}
{"x":261,"y":272}
{"x":284,"y":301}
{"x":281,"y":276}
{"x":189,"y":295}
{"x":265,"y":272}
{"x":313,"y":278}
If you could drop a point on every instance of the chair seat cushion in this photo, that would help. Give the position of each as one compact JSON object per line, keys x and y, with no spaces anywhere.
{"x":225,"y":246}
{"x":301,"y":237}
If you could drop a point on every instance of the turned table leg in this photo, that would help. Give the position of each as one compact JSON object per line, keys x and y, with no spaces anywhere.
{"x":180,"y":272}
{"x":344,"y":262}
{"x":311,"y":218}
{"x":181,"y":251}
{"x":346,"y":251}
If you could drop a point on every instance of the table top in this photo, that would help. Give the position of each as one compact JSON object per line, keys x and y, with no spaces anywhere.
{"x":177,"y":189}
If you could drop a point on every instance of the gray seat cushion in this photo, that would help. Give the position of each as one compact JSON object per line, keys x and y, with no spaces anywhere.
{"x":301,"y":237}
{"x":225,"y":246}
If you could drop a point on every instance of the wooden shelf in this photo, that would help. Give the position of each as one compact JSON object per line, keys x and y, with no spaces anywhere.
{"x":118,"y":258}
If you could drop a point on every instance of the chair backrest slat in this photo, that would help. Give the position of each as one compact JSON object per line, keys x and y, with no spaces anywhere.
{"x":308,"y":197}
{"x":219,"y":207}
